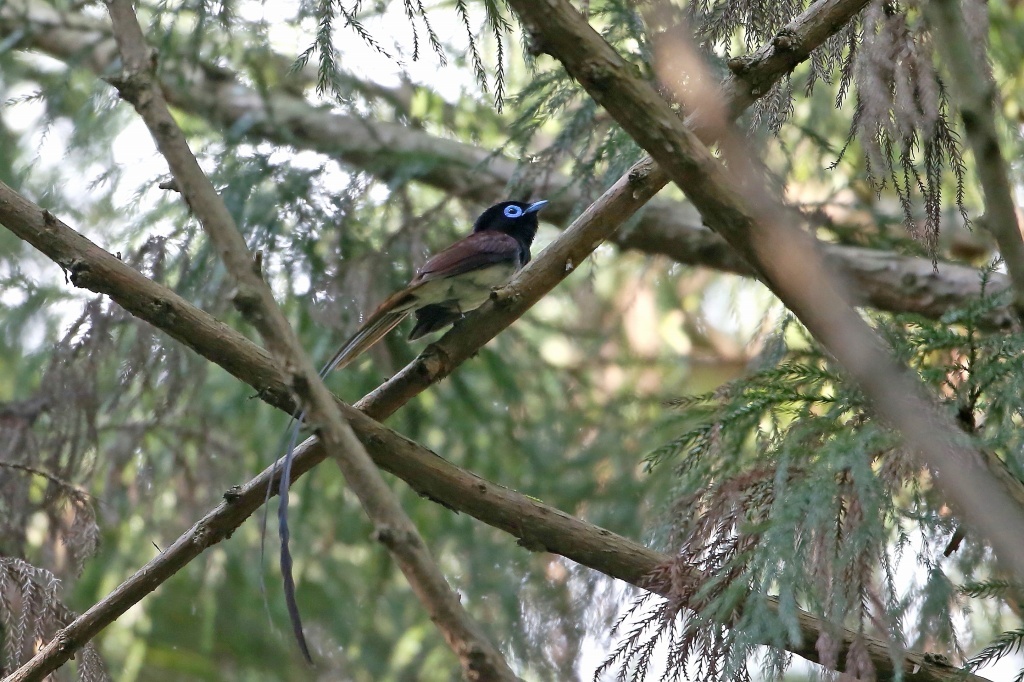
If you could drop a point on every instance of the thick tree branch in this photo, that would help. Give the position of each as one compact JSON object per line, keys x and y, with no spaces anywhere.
{"x":538,"y":526}
{"x":735,"y":203}
{"x":974,"y":94}
{"x":479,"y":658}
{"x":883,"y":653}
{"x":601,"y":220}
{"x":880,"y":279}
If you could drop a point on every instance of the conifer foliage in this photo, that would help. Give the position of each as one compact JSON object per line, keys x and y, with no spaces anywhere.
{"x":786,"y":484}
{"x":725,"y":464}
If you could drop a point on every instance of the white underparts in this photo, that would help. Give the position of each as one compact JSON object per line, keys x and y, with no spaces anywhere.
{"x":467,"y":291}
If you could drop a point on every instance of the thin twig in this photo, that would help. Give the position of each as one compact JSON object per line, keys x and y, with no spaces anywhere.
{"x":253,"y":297}
{"x":738,"y":207}
{"x":974,"y":94}
{"x":66,"y":487}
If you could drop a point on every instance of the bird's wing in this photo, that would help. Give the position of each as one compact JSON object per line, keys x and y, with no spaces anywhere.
{"x":476,"y":251}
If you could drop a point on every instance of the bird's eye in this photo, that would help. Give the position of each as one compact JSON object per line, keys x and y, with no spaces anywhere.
{"x":513,"y":211}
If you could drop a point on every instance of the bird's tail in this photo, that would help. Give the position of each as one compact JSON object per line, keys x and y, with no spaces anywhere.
{"x":383,"y":320}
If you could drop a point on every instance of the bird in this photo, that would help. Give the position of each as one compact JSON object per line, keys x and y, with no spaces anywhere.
{"x":454,"y":281}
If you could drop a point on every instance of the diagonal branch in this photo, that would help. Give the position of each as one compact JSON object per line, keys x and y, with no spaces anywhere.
{"x":601,"y":220}
{"x":538,"y":526}
{"x":393,"y":528}
{"x":83,"y":273}
{"x":974,"y":93}
{"x":735,"y":204}
{"x":881,"y":279}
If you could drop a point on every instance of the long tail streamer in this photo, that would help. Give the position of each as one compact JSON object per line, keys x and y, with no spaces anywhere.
{"x":372,"y":331}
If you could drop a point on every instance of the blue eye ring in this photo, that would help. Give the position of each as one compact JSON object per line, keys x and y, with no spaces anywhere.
{"x":513,"y":212}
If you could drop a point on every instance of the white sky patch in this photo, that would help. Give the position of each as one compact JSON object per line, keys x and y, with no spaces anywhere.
{"x":394,"y":33}
{"x":736,"y":306}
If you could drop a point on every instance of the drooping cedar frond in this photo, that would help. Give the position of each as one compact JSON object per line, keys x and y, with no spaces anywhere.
{"x":787,"y":486}
{"x":901,"y":117}
{"x":31,"y":611}
{"x":331,"y":13}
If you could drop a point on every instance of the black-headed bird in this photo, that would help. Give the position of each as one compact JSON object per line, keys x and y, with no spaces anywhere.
{"x":458,"y":279}
{"x":454,"y":281}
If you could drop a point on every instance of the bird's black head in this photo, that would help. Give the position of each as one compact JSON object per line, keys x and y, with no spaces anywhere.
{"x":513,"y":218}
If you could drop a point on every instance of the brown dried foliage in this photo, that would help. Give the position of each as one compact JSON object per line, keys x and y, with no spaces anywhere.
{"x":900,"y":117}
{"x":717,"y":531}
{"x":900,"y":114}
{"x":714,"y":538}
{"x":85,"y":425}
{"x":31,"y":612}
{"x":787,"y":487}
